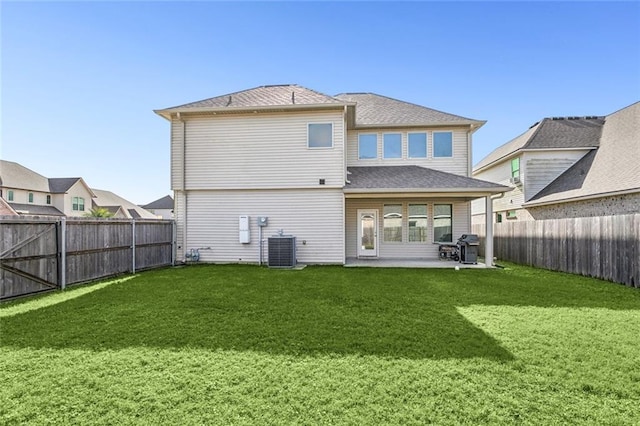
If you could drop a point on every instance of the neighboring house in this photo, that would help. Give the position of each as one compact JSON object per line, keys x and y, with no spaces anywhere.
{"x":29,"y":193}
{"x":567,"y":167}
{"x":120,"y":207}
{"x":6,"y":209}
{"x":352,"y":175}
{"x":163,"y":207}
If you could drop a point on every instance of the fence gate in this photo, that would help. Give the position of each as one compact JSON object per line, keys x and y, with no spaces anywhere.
{"x":28,"y":257}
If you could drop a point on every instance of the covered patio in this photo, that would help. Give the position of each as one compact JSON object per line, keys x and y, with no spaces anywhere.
{"x":397,"y":216}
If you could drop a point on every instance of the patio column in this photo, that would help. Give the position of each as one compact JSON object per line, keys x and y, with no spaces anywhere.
{"x":488,"y":240}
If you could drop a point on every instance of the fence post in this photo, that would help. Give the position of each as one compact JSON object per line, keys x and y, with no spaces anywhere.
{"x":63,"y":253}
{"x":133,"y":245}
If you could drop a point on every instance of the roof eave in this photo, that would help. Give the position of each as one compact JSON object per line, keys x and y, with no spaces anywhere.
{"x":444,"y":191}
{"x":474,"y":125}
{"x":166,"y":113}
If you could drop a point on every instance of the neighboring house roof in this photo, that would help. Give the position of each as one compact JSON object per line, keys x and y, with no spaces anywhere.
{"x":385,"y":178}
{"x":613,"y":168}
{"x":164,"y":203}
{"x":550,"y":133}
{"x":35,"y":209}
{"x":6,"y":209}
{"x":263,"y":96}
{"x":374,"y":110}
{"x":61,"y":185}
{"x":14,"y":175}
{"x":108,"y":199}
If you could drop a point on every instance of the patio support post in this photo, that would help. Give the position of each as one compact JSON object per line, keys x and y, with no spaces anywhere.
{"x":488,"y":240}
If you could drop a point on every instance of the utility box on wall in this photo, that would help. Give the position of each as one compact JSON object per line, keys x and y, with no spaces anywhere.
{"x":245,"y":233}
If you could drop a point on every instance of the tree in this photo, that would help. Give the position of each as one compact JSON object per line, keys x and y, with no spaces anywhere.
{"x":99,"y":212}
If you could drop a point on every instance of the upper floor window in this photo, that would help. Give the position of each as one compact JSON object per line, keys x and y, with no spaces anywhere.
{"x":417,"y":145}
{"x":367,"y":146}
{"x":442,"y":223}
{"x":320,"y":135}
{"x":515,"y":167}
{"x":48,"y":199}
{"x":392,"y":145}
{"x":78,"y":204}
{"x":9,"y":195}
{"x":31,"y":197}
{"x":442,"y":144}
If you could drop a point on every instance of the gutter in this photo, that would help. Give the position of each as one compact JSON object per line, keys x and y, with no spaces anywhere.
{"x":166,"y":113}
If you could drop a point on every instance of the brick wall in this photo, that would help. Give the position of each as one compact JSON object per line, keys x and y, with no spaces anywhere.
{"x":621,"y":204}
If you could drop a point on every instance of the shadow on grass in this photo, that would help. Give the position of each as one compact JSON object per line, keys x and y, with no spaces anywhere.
{"x":381,"y":312}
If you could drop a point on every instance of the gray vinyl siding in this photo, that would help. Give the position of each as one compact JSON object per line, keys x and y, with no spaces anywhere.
{"x":262,"y":151}
{"x":461,"y":225}
{"x":458,"y":164}
{"x":501,"y":174}
{"x":544,"y":167}
{"x":314,"y":216}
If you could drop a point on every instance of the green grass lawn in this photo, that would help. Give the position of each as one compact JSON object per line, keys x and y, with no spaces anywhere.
{"x":235,"y":344}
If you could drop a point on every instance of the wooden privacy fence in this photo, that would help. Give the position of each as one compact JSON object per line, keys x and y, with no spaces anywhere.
{"x":43,"y":253}
{"x":606,"y":247}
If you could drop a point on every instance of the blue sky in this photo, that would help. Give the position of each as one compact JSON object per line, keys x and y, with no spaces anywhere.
{"x":80,"y":79}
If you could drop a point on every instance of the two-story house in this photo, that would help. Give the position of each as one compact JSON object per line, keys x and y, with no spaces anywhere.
{"x":26,"y":192}
{"x":351,"y":176}
{"x":567,"y":167}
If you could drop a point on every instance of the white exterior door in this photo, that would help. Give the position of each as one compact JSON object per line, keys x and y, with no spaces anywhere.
{"x":367,"y":233}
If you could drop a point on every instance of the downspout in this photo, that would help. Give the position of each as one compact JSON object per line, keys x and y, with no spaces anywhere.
{"x":183,"y":183}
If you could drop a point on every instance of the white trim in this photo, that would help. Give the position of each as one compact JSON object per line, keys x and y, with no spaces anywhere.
{"x":332,"y":135}
{"x":368,"y":159}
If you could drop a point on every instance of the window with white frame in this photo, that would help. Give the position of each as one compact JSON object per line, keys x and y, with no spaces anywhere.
{"x":392,"y":143}
{"x":320,"y":135}
{"x":417,"y":145}
{"x":515,"y":168}
{"x":48,"y":199}
{"x":417,"y":223}
{"x":78,"y":204}
{"x":392,"y":223}
{"x":30,"y":197}
{"x":9,"y":195}
{"x":442,"y":144}
{"x":367,"y":146}
{"x":443,"y":223}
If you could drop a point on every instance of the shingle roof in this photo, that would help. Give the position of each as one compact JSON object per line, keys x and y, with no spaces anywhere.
{"x":551,"y":133}
{"x":35,"y":209}
{"x":414,"y":177}
{"x":276,"y":95}
{"x":376,"y":110}
{"x":108,"y":199}
{"x":613,"y":167}
{"x":14,"y":175}
{"x":61,"y":185}
{"x":165,"y":202}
